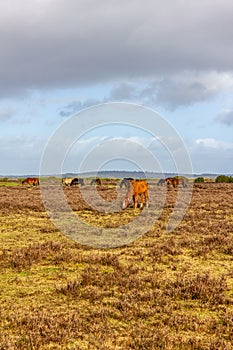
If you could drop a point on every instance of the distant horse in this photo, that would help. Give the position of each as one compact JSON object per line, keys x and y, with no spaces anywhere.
{"x":136,"y":188}
{"x":183,"y":181}
{"x":96,"y":181}
{"x":169,"y":181}
{"x":67,"y":181}
{"x":126,"y":182}
{"x":161,"y":182}
{"x":175,"y":181}
{"x":77,"y":181}
{"x":34,"y":181}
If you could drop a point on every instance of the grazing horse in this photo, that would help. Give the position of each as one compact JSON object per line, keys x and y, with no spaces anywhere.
{"x":170,"y":181}
{"x":161,"y":182}
{"x":77,"y":181}
{"x":175,"y":181}
{"x":136,"y":188}
{"x":183,"y":181}
{"x":34,"y":181}
{"x":96,"y":181}
{"x":126,"y":182}
{"x":67,"y":181}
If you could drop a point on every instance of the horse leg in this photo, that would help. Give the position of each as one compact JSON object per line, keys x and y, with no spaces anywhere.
{"x":135,"y":201}
{"x":146,"y":199}
{"x":141,"y":200}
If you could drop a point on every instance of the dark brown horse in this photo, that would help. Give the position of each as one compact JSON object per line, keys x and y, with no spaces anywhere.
{"x":175,"y":181}
{"x":126,"y":182}
{"x":32,"y":181}
{"x":76,"y":182}
{"x":96,"y":182}
{"x":161,"y":182}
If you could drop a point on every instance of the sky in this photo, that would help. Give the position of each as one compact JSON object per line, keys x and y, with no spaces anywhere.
{"x":61,"y":57}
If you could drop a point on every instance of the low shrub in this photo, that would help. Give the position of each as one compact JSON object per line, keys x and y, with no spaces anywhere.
{"x":199,"y":180}
{"x":224,"y":178}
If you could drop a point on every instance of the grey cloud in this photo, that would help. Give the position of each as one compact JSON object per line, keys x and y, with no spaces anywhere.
{"x":168,"y":93}
{"x":123,"y":91}
{"x":6,"y":115}
{"x":70,"y":109}
{"x":172,"y":94}
{"x":225,"y":118}
{"x":120,"y":92}
{"x":65,"y":43}
{"x":76,"y":106}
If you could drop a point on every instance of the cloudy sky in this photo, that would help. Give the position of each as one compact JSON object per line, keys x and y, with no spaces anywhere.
{"x":58,"y":57}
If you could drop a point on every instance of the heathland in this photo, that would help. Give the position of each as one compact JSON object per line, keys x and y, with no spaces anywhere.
{"x":165,"y":290}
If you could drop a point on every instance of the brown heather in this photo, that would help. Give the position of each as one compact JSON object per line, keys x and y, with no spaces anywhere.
{"x":171,"y":291}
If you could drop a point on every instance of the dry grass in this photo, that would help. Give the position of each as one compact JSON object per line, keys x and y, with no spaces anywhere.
{"x":164,"y":291}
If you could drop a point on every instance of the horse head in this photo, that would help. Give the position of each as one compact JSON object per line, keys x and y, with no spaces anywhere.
{"x":126,"y":202}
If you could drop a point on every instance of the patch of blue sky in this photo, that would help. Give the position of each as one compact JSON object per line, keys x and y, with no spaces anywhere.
{"x":200,"y":120}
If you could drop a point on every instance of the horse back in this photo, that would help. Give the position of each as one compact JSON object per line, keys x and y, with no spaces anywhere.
{"x":139,"y":186}
{"x":31,"y":181}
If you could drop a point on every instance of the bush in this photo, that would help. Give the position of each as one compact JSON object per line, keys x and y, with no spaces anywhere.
{"x":199,"y":179}
{"x":3,"y":179}
{"x":224,"y":178}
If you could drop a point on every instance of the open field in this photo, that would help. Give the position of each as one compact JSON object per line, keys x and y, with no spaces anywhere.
{"x":163,"y":291}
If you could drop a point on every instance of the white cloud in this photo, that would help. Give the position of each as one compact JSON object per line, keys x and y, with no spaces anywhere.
{"x":214,"y":143}
{"x":211,"y":155}
{"x":149,"y":153}
{"x":20,"y":154}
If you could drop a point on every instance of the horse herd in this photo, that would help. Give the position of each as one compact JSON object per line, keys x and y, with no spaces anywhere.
{"x":34,"y":181}
{"x":136,"y":189}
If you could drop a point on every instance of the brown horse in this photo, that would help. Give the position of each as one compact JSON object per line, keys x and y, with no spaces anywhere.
{"x":136,"y":188}
{"x":34,"y":181}
{"x":175,"y":181}
{"x":169,"y":181}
